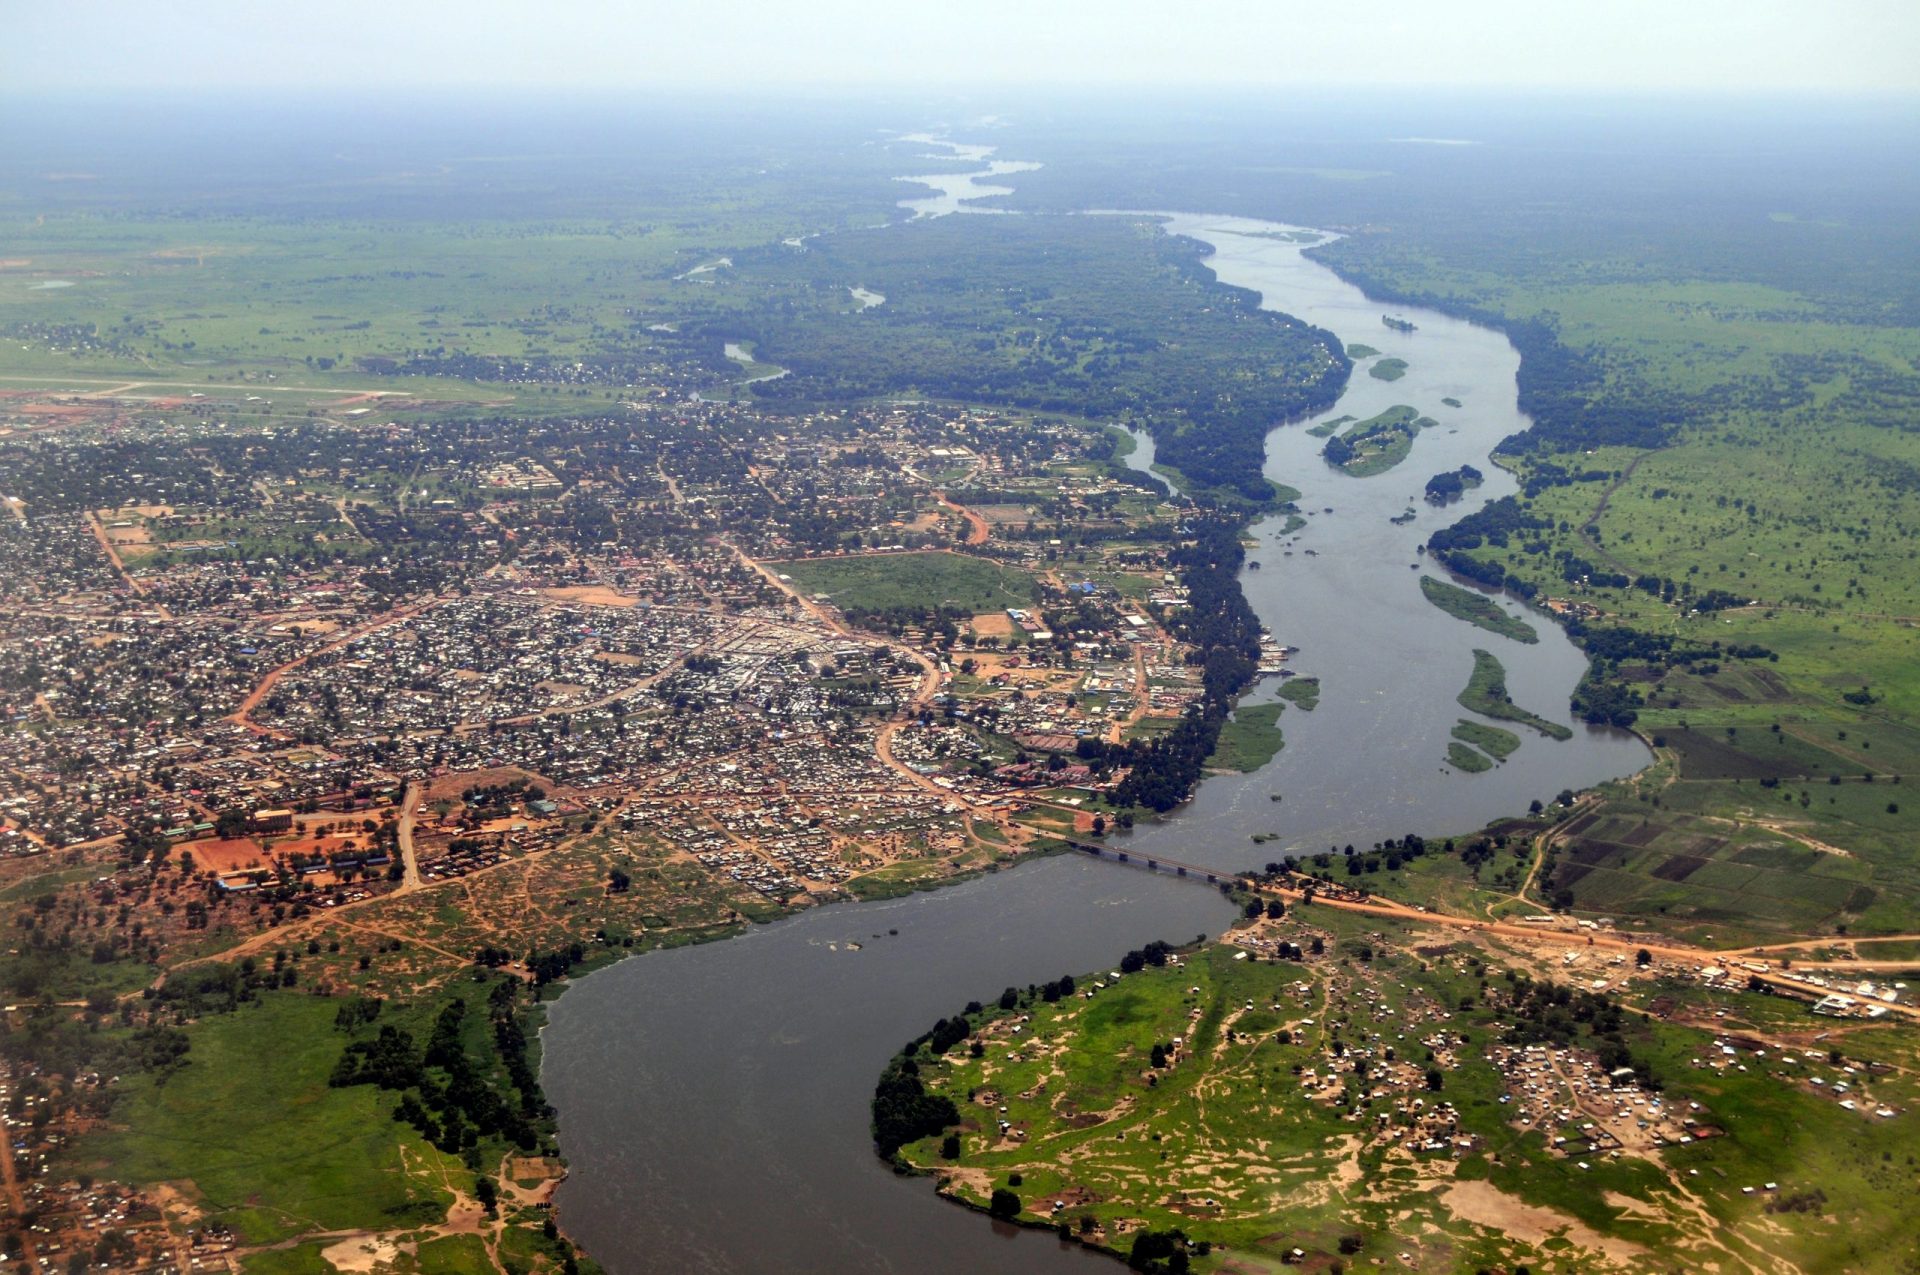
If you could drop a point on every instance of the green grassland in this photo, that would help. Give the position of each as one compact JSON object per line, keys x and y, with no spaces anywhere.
{"x":241,"y":265}
{"x":1388,"y":370}
{"x":1476,"y":609}
{"x":1250,"y":739}
{"x":271,"y":1150}
{"x":1223,"y":1144}
{"x":1486,"y":694}
{"x":1785,"y":483}
{"x":881,"y":582}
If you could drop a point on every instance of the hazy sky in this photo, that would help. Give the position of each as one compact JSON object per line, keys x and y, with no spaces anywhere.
{"x":1714,"y":45}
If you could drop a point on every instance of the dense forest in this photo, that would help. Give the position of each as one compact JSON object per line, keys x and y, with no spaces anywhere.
{"x":1107,"y":318}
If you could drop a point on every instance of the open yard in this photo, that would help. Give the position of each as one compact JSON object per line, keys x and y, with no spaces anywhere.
{"x":884,"y":581}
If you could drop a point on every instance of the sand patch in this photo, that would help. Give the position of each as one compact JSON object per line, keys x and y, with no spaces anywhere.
{"x":596,"y":595}
{"x":993,"y":624}
{"x":361,"y":1253}
{"x":1486,"y":1205}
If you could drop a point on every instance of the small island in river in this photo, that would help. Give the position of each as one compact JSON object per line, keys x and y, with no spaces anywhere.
{"x":1476,"y":609}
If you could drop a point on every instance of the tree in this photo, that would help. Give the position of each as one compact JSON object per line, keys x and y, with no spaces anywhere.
{"x":1436,"y":1079}
{"x":1643,"y":958}
{"x":1004,"y":1205}
{"x":487,"y":1194}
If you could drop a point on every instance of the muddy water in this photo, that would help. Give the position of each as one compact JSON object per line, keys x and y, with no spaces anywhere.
{"x":713,"y":1100}
{"x":1369,"y":762}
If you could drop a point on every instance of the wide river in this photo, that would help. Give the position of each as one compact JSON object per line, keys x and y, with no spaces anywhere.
{"x":713,"y":1100}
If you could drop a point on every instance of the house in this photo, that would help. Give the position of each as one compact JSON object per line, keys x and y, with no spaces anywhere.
{"x":272,"y":820}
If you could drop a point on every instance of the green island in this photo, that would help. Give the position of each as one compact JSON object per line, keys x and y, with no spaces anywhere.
{"x":1357,"y":351}
{"x":1461,"y":757}
{"x":1326,"y":429}
{"x":1249,"y":740}
{"x":1301,"y":692}
{"x":1390,"y":1093}
{"x":1451,"y":401}
{"x":1388,"y":370}
{"x":1476,"y":609}
{"x":1377,"y":444}
{"x":1486,"y":694}
{"x":1497,"y":743}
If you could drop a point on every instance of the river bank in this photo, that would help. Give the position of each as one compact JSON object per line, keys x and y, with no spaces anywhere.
{"x":693,"y":1080}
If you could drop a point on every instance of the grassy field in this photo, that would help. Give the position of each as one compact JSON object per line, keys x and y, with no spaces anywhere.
{"x":1241,"y":1138}
{"x":1486,"y":694}
{"x":270,"y":1149}
{"x":1250,"y":739}
{"x":1388,"y":370}
{"x":1476,"y":609}
{"x":1781,"y":477}
{"x":881,"y":582}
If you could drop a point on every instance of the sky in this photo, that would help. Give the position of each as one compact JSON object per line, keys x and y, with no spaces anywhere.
{"x":1714,"y":46}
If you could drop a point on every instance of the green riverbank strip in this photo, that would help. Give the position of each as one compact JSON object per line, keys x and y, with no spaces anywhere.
{"x":1476,"y":609}
{"x":1326,"y":429}
{"x":1249,"y":739}
{"x":1388,"y":370}
{"x":1460,"y":757}
{"x":1486,"y":694}
{"x":1302,"y":692}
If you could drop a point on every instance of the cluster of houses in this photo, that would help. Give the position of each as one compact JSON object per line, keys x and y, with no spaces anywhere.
{"x":1583,"y":1108}
{"x":101,"y":1225}
{"x":479,"y":659}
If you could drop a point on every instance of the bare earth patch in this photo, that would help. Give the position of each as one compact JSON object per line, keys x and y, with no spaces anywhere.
{"x":1486,"y":1205}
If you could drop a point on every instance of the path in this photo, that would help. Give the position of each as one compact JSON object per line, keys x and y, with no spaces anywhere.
{"x":410,"y":798}
{"x":977,"y":530}
{"x":120,"y":568}
{"x":1599,"y":940}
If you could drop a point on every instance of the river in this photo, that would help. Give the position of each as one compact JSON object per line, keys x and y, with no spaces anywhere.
{"x":956,"y":192}
{"x":713,"y":1100}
